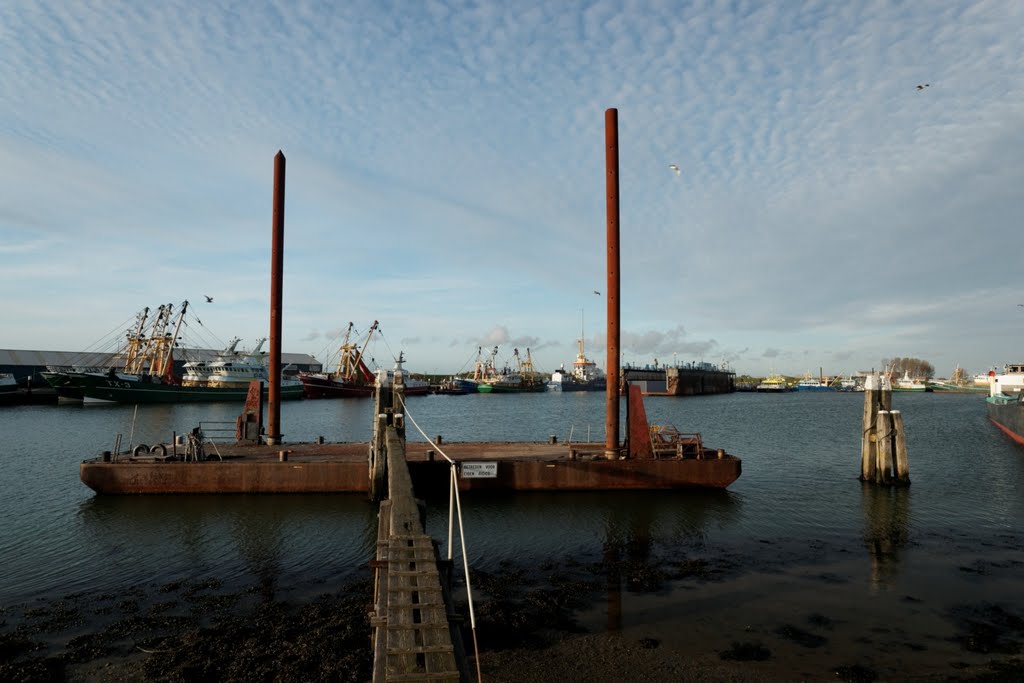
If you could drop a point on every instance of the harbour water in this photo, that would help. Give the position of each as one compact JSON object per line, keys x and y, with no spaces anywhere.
{"x":796,"y":535}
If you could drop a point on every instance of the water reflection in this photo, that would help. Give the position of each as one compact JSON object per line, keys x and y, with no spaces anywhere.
{"x":886,"y":530}
{"x":634,"y":524}
{"x":277,"y":542}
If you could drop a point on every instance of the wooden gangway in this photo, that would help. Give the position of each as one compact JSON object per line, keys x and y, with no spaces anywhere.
{"x":415,"y":632}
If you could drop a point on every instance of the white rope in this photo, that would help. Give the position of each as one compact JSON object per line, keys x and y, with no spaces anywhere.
{"x":453,"y":497}
{"x":405,"y":409}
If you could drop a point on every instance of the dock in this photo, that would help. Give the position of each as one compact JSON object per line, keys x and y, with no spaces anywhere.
{"x":415,"y":629}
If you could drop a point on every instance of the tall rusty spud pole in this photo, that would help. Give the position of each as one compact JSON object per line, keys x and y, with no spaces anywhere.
{"x":611,"y":156}
{"x":276,"y":282}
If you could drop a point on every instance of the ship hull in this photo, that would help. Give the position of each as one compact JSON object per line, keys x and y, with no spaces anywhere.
{"x":119,"y":390}
{"x":485,"y":388}
{"x":678,"y":381}
{"x":600,"y":385}
{"x":326,"y":387}
{"x":1008,"y":415}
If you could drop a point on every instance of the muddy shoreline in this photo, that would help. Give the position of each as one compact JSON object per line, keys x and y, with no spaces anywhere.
{"x":566,"y":620}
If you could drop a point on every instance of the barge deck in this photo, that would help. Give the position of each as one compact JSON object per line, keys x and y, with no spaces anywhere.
{"x":343,"y":468}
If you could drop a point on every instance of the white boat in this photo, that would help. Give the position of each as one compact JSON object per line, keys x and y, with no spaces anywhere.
{"x":413,"y":387}
{"x":197,"y":373}
{"x":1009,"y":382}
{"x":584,"y":376}
{"x":906,"y":383}
{"x":848,"y":383}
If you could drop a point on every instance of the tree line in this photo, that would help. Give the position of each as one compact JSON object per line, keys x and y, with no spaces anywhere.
{"x":915,"y":367}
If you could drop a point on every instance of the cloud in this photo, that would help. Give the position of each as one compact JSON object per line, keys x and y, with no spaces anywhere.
{"x":824,"y":203}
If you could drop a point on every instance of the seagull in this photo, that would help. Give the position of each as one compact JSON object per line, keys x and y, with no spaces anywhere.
{"x":209,"y":299}
{"x":599,"y":294}
{"x":922,"y":87}
{"x":674,"y":168}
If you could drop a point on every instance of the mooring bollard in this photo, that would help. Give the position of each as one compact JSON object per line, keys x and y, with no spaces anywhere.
{"x":320,"y":440}
{"x":554,"y":438}
{"x":883,"y":474}
{"x":438,"y":440}
{"x":282,"y":456}
{"x":902,"y":460}
{"x":868,"y":448}
{"x":883,"y":454}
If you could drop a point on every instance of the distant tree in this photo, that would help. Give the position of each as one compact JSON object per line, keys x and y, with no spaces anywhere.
{"x":915,"y":367}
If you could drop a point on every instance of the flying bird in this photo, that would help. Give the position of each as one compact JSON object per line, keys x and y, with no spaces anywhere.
{"x":922,"y":87}
{"x":597,"y":292}
{"x":674,"y":168}
{"x":209,"y":299}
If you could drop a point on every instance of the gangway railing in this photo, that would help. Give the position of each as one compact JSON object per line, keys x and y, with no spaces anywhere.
{"x":454,"y":512}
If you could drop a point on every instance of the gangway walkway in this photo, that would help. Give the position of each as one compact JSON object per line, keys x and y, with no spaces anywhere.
{"x":415,"y":632}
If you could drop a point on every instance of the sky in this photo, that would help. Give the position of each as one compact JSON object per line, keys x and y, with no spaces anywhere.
{"x":446,"y":176}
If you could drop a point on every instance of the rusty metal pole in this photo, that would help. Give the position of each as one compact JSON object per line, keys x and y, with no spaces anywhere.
{"x":611,"y":156}
{"x":276,"y":278}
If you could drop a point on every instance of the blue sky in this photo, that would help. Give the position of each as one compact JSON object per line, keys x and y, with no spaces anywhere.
{"x":445,"y":176}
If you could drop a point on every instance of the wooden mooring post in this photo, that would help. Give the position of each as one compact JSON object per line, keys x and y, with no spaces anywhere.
{"x":883,"y":446}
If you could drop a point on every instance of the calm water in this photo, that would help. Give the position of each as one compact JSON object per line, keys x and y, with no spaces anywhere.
{"x":798,"y":503}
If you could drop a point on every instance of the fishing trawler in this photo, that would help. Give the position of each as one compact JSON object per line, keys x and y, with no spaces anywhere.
{"x":908,"y":383}
{"x":147,"y":375}
{"x":352,"y":378}
{"x":522,"y":379}
{"x":959,"y":383}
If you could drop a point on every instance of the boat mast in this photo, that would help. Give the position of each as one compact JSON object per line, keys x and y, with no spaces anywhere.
{"x":144,"y":356}
{"x":345,"y":354}
{"x":359,"y":358}
{"x":135,"y":340}
{"x":167,"y":361}
{"x":158,"y":342}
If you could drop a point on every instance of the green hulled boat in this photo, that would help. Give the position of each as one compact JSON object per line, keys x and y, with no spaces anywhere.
{"x":522,"y":379}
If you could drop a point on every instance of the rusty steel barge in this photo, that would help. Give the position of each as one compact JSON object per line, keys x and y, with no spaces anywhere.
{"x":648,"y":458}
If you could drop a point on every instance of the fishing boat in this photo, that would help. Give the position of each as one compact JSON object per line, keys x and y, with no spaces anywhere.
{"x":809,"y":383}
{"x":457,"y":386}
{"x":959,"y":383}
{"x":848,"y":383}
{"x":773,"y":383}
{"x":508,"y":381}
{"x":584,"y":376}
{"x":351,"y":378}
{"x":148,"y":372}
{"x":907,"y":383}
